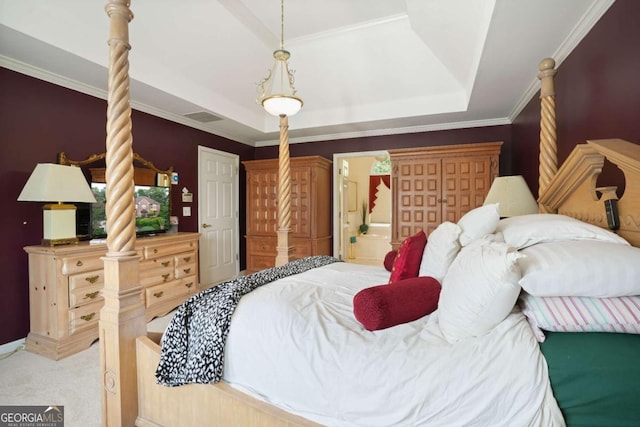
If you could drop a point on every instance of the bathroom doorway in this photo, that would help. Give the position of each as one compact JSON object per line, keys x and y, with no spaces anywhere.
{"x":353,"y":175}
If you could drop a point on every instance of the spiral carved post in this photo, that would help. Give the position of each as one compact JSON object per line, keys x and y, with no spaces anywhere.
{"x":548,"y":138}
{"x":284,"y":195}
{"x":122,"y":317}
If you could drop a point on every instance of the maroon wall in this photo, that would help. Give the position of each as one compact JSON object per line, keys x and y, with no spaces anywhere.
{"x":597,"y":94}
{"x":38,"y":120}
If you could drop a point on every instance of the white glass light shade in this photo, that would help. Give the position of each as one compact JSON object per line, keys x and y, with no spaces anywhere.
{"x":513,"y":196}
{"x":278,"y":105}
{"x":56,"y":183}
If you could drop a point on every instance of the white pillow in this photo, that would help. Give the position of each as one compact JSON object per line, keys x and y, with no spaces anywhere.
{"x":478,"y":222}
{"x":587,"y":268}
{"x":526,"y":230}
{"x":480,"y":289}
{"x":440,"y":251}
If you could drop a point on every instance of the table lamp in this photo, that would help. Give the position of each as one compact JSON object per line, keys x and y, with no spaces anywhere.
{"x":513,"y":196}
{"x":58,"y":184}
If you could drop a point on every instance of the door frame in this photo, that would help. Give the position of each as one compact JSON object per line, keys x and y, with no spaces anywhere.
{"x":337,"y":223}
{"x":202,"y":196}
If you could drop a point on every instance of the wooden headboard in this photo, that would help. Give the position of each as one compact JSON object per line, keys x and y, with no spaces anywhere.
{"x":573,"y":190}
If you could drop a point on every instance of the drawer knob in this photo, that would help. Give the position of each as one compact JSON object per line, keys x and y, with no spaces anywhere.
{"x":187,"y":270}
{"x":91,"y":295}
{"x":92,"y":279}
{"x":165,"y":276}
{"x":79,"y":263}
{"x":155,"y":250}
{"x":166,"y":263}
{"x":189,"y":285}
{"x":88,"y":317}
{"x":158,"y":294}
{"x":187,"y":259}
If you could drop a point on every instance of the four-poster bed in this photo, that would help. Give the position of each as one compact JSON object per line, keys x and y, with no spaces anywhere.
{"x":129,"y":357}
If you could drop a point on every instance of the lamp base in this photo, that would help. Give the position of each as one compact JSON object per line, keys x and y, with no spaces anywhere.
{"x":56,"y":242}
{"x":59,"y":224}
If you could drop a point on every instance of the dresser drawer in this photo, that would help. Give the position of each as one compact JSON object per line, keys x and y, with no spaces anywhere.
{"x":150,"y":252}
{"x":89,"y":278}
{"x":85,"y":288}
{"x":190,"y":283}
{"x":186,"y":258}
{"x":262,"y":245}
{"x":156,"y":263}
{"x":161,"y":293}
{"x":85,"y":316}
{"x":186,"y":270}
{"x":157,"y":271}
{"x":73,"y":265}
{"x":260,"y":262}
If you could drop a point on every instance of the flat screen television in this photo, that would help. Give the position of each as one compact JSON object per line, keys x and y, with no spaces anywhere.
{"x":152,"y":210}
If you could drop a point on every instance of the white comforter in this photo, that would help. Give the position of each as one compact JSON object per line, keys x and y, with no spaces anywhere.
{"x":296,"y":344}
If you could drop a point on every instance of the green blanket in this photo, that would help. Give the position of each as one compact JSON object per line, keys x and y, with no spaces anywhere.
{"x":595,"y":377}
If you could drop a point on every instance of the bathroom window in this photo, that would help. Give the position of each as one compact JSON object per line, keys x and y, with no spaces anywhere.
{"x":382,"y":166}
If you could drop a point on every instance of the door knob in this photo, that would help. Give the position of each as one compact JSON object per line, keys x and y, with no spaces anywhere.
{"x":206,"y":225}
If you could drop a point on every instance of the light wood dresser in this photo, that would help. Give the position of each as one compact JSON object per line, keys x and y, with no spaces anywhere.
{"x":310,"y":209}
{"x":430,"y":185}
{"x":65,"y":284}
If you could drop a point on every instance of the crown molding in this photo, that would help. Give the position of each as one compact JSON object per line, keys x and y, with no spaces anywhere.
{"x":581,"y":29}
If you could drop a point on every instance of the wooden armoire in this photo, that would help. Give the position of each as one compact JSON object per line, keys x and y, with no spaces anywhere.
{"x":430,"y":185}
{"x":310,"y":209}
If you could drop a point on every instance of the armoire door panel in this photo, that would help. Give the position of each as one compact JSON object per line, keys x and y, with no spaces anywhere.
{"x":435,"y":184}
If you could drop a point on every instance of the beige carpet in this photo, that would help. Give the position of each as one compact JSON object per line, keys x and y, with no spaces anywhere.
{"x":73,"y":382}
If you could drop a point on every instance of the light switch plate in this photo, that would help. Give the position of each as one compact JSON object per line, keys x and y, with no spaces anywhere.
{"x":186,"y":211}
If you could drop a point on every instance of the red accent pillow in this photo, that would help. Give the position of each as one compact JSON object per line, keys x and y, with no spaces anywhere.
{"x":383,"y":306}
{"x":389,"y":258}
{"x":407,"y":262}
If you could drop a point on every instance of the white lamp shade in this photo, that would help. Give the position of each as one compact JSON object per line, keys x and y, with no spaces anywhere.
{"x":278,"y":105}
{"x":51,"y":182}
{"x":513,"y":196}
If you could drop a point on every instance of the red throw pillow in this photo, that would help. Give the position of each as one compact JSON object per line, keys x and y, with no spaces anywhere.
{"x":407,"y":262}
{"x":389,"y":258}
{"x":383,"y":306}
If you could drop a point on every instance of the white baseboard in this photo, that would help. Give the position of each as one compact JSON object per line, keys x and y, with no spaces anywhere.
{"x":11,"y":346}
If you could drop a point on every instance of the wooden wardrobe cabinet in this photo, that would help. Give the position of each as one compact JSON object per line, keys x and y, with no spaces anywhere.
{"x":65,"y":284}
{"x":310,"y":209}
{"x":431,"y":185}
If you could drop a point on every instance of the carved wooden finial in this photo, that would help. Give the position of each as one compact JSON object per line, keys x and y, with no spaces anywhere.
{"x":546,"y":74}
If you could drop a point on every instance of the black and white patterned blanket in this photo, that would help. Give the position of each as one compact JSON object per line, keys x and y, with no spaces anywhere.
{"x":193,"y":344}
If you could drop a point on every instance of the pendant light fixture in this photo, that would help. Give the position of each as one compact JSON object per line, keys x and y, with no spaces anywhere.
{"x":277,"y":90}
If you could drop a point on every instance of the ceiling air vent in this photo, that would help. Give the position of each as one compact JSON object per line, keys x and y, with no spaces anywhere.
{"x":203,"y":117}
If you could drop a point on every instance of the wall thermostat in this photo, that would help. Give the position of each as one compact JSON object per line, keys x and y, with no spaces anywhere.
{"x":174,"y":178}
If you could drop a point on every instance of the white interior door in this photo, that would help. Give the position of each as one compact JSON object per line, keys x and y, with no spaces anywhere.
{"x":218,"y":215}
{"x":344,"y":211}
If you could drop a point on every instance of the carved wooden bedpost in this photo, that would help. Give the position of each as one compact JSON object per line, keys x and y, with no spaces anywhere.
{"x":548,"y":138}
{"x":284,"y":195}
{"x":122,"y":317}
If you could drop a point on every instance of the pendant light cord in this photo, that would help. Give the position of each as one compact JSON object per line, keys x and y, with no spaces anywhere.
{"x":282,"y":24}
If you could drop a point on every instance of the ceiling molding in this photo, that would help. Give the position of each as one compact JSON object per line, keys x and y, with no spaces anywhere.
{"x":579,"y":31}
{"x":391,"y":131}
